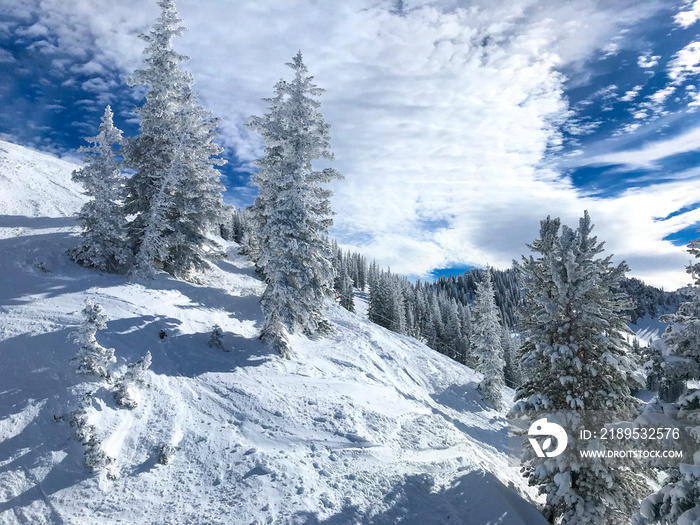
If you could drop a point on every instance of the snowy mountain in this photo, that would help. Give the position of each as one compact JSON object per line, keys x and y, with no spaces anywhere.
{"x":362,"y":426}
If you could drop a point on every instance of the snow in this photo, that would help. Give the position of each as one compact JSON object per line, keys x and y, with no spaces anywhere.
{"x":362,"y":426}
{"x":647,"y":329}
{"x":35,"y":187}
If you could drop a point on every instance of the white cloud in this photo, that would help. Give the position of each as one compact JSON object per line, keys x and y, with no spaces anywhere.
{"x":685,"y":63}
{"x":630,"y":95}
{"x":646,"y":60}
{"x":694,"y":99}
{"x":440,"y":118}
{"x":648,"y":156}
{"x":660,"y":96}
{"x":606,"y":93}
{"x":689,"y":16}
{"x":6,"y":57}
{"x":628,"y":128}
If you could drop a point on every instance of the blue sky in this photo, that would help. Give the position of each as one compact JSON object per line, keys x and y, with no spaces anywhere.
{"x":458,"y":125}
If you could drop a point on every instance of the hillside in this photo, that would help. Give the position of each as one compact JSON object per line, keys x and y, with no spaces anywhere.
{"x":364,"y":426}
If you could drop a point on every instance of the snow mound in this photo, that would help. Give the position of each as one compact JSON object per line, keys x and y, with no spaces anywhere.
{"x":361,"y":426}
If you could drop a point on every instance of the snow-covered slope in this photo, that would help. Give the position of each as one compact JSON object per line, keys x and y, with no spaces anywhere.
{"x":35,"y":185}
{"x":648,"y":329}
{"x":363,"y":426}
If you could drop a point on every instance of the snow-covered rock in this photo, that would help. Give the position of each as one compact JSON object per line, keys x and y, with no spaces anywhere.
{"x":362,"y":426}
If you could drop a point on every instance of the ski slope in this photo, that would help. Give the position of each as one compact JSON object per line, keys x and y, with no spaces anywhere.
{"x":362,"y":426}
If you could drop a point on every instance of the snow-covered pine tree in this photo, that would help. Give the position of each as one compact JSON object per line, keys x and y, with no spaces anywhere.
{"x":511,"y":356}
{"x":344,"y":286}
{"x":575,"y":325}
{"x":678,"y":500}
{"x":95,"y":457}
{"x":453,"y":332}
{"x":216,"y":339}
{"x":436,"y":327}
{"x":465,"y":319}
{"x":234,"y":224}
{"x":103,"y":239}
{"x":135,"y":376}
{"x":398,"y":308}
{"x":486,"y":342}
{"x":175,"y":194}
{"x":358,"y":270}
{"x":378,"y":309}
{"x":92,"y":357}
{"x":292,"y":210}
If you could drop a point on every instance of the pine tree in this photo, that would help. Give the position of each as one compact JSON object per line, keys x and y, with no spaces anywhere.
{"x":103,"y":239}
{"x":345,"y":288}
{"x":95,"y":457}
{"x":216,"y":339}
{"x":175,"y":194}
{"x":465,"y":320}
{"x":511,"y":356}
{"x":135,"y":376}
{"x":435,"y":328}
{"x":379,"y":311}
{"x":453,"y":331}
{"x":678,"y":500}
{"x":292,"y":210}
{"x":574,"y":346}
{"x":343,"y":268}
{"x":486,"y":342}
{"x":92,"y":357}
{"x":397,"y":309}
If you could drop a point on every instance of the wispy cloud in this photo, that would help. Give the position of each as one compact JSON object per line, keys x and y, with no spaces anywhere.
{"x":647,"y":156}
{"x":6,"y":57}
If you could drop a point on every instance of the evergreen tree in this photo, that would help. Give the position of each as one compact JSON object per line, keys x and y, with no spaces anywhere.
{"x":436,"y":328}
{"x":345,"y":288}
{"x":397,"y":308}
{"x":135,"y":375}
{"x":678,"y":500}
{"x":486,"y":342}
{"x":511,"y":355}
{"x":216,"y":339}
{"x":175,"y":194}
{"x":465,"y":356}
{"x":92,"y":357}
{"x":343,"y":268}
{"x":573,"y":351}
{"x":453,"y":331}
{"x":95,"y":457}
{"x":380,"y":308}
{"x":103,"y":239}
{"x":292,"y":210}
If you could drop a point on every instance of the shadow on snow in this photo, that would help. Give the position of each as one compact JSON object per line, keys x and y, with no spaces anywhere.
{"x":468,"y":501}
